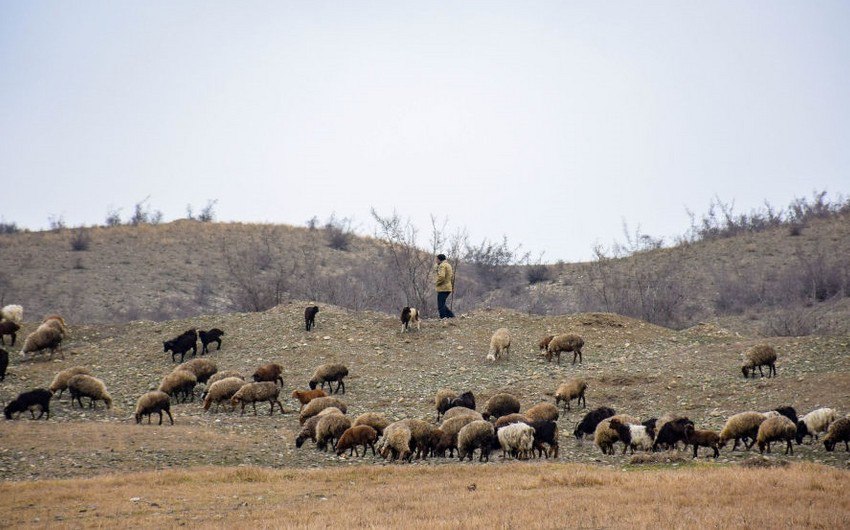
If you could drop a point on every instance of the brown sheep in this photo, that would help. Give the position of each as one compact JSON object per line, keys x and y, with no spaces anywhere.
{"x":306,"y":396}
{"x":356,"y":436}
{"x":269,"y":372}
{"x":567,"y":342}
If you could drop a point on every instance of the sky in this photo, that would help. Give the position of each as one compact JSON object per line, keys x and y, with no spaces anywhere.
{"x":548,"y":122}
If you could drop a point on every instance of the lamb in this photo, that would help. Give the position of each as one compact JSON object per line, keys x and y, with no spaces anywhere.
{"x":567,"y":342}
{"x":572,"y":389}
{"x":442,"y":401}
{"x":702,"y":438}
{"x":308,"y":430}
{"x":466,"y":400}
{"x":7,"y":327}
{"x":153,"y":402}
{"x":269,"y":372}
{"x":179,"y":345}
{"x":316,"y":406}
{"x":588,"y":424}
{"x":543,"y":345}
{"x":545,"y":432}
{"x":511,"y":418}
{"x":40,"y":397}
{"x":449,"y":430}
{"x":542,"y":411}
{"x":500,"y":344}
{"x":395,"y":442}
{"x":60,"y":382}
{"x":218,"y":376}
{"x":815,"y":422}
{"x":632,"y":436}
{"x":605,"y":437}
{"x":742,"y":426}
{"x":375,"y":420}
{"x":253,"y":392}
{"x":478,"y":434}
{"x":500,"y":405}
{"x":202,"y":368}
{"x":409,"y":317}
{"x":671,"y":433}
{"x":774,"y":429}
{"x":330,"y":428}
{"x":839,"y":431}
{"x":82,"y":385}
{"x":329,"y":373}
{"x":179,"y":383}
{"x":355,"y":436}
{"x":4,"y":363}
{"x":758,"y":356}
{"x":461,"y":411}
{"x":222,"y":390}
{"x":310,"y":317}
{"x":208,"y":337}
{"x":516,"y":439}
{"x":306,"y":396}
{"x":12,"y":313}
{"x":45,"y":337}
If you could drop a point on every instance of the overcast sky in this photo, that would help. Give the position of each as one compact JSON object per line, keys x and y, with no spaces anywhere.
{"x":547,"y":122}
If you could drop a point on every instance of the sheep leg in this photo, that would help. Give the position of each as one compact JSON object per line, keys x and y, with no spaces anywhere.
{"x":695,"y":450}
{"x":254,"y":404}
{"x":789,"y":447}
{"x":372,"y":445}
{"x":341,"y":382}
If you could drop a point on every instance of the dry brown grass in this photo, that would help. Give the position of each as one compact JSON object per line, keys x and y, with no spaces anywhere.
{"x":504,"y":496}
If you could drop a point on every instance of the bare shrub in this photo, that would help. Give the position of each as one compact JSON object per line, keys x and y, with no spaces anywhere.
{"x":9,"y":228}
{"x":80,"y":238}
{"x":538,"y":273}
{"x":113,"y":217}
{"x":142,"y":214}
{"x":338,"y":233}
{"x":493,"y":262}
{"x":207,"y":214}
{"x":258,"y":274}
{"x":56,"y":223}
{"x":793,"y":322}
{"x":312,"y":223}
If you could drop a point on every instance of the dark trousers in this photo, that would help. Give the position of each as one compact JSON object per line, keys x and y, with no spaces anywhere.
{"x":445,"y":312}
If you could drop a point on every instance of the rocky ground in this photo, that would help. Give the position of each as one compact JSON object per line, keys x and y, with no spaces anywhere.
{"x":632,"y":366}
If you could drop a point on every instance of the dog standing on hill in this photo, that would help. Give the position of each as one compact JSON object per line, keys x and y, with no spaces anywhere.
{"x":310,"y":317}
{"x":409,"y":317}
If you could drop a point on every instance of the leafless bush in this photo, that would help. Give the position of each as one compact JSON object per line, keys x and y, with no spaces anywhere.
{"x":56,"y":223}
{"x":493,"y":263}
{"x":80,"y":238}
{"x":143,"y":215}
{"x":338,"y":232}
{"x":538,"y":273}
{"x":312,"y":223}
{"x":258,"y":274}
{"x":9,"y":228}
{"x":113,"y":217}
{"x":207,"y":214}
{"x":794,"y":322}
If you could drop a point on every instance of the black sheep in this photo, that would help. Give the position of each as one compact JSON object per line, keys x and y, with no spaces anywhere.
{"x":4,"y":363}
{"x":545,"y":432}
{"x":181,"y":344}
{"x":587,"y":426}
{"x":7,"y":327}
{"x":310,"y":317}
{"x":208,"y":337}
{"x":464,"y":400}
{"x":672,"y":433}
{"x":26,"y":400}
{"x":650,"y":426}
{"x":789,"y":413}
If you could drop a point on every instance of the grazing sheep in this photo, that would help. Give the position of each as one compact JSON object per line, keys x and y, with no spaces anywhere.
{"x":222,"y":390}
{"x":356,"y":436}
{"x":591,"y":420}
{"x":449,"y":430}
{"x":330,"y":429}
{"x":306,"y":396}
{"x":310,"y":317}
{"x":500,"y":405}
{"x":375,"y":420}
{"x":542,"y":411}
{"x":545,"y":432}
{"x":424,"y":437}
{"x":12,"y":313}
{"x":443,"y":400}
{"x":395,"y":442}
{"x":60,"y":381}
{"x":511,"y":418}
{"x":758,"y":356}
{"x":202,"y":368}
{"x":7,"y":327}
{"x":778,"y":428}
{"x":208,"y":337}
{"x":330,"y":410}
{"x":179,"y":345}
{"x":516,"y":440}
{"x":702,"y":438}
{"x":316,"y":406}
{"x":839,"y":431}
{"x":788,"y":412}
{"x":269,"y":372}
{"x":410,"y":317}
{"x":308,"y":430}
{"x":4,"y":363}
{"x":254,"y":392}
{"x":671,"y":433}
{"x":461,"y":411}
{"x":543,"y":345}
{"x":82,"y":385}
{"x":565,"y":343}
{"x":40,"y":397}
{"x":329,"y":373}
{"x":632,"y":436}
{"x":605,"y":436}
{"x":572,"y":389}
{"x":742,"y":426}
{"x":218,"y":376}
{"x":500,"y":344}
{"x":466,"y":400}
{"x":815,"y":422}
{"x":56,"y":322}
{"x":153,"y":402}
{"x":478,"y":434}
{"x":677,"y":433}
{"x":45,"y":337}
{"x":179,"y":383}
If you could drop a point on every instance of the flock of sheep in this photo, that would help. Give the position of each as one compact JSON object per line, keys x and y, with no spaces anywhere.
{"x":459,"y":427}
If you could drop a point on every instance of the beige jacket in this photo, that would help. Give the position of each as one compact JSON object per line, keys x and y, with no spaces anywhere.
{"x":445,"y":278}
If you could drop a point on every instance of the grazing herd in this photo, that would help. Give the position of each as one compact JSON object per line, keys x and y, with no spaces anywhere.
{"x":459,"y":429}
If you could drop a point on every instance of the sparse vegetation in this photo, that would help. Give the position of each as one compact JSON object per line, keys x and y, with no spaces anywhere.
{"x":80,"y":238}
{"x":338,"y":233}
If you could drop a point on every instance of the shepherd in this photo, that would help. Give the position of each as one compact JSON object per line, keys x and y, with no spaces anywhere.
{"x":445,"y":285}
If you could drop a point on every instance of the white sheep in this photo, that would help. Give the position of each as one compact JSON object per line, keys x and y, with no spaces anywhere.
{"x":814,"y":423}
{"x":12,"y":313}
{"x":516,"y":439}
{"x":500,"y":344}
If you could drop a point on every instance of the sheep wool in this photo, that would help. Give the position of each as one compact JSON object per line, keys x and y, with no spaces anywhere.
{"x":543,"y":412}
{"x":316,"y":406}
{"x":500,"y":405}
{"x":742,"y":426}
{"x":82,"y":385}
{"x":222,"y":390}
{"x":60,"y":381}
{"x":500,"y":344}
{"x":839,"y":431}
{"x":566,"y":342}
{"x":151,"y":403}
{"x":12,"y":313}
{"x":777,"y":428}
{"x":377,"y":421}
{"x":572,"y":389}
{"x":516,"y":439}
{"x":478,"y":434}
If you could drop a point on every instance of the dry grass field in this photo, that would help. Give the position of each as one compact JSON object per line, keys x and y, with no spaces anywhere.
{"x":515,"y":495}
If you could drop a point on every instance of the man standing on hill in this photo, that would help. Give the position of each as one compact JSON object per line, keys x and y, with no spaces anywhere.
{"x":445,"y":284}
